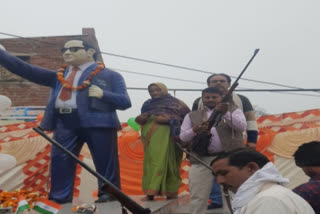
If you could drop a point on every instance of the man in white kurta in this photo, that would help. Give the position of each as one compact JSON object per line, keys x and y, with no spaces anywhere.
{"x":257,"y":185}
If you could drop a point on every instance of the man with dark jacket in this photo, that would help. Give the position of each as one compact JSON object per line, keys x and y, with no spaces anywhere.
{"x":308,"y":158}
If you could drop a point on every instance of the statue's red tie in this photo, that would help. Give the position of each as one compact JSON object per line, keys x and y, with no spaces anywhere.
{"x":66,"y":92}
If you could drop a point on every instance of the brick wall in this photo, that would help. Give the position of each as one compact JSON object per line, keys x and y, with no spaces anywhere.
{"x":25,"y":93}
{"x":41,"y":51}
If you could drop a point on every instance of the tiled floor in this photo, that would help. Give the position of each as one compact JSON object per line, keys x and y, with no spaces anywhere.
{"x":158,"y":206}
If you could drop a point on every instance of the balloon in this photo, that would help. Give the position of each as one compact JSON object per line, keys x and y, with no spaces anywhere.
{"x":132,"y":123}
{"x":5,"y":103}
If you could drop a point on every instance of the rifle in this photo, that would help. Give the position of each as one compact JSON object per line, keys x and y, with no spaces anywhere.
{"x":201,"y":141}
{"x":108,"y":187}
{"x":225,"y":191}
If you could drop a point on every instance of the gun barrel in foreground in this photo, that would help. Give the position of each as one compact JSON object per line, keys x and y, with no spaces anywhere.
{"x":108,"y":187}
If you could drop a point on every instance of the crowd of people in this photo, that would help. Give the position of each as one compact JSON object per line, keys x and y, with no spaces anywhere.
{"x":82,"y":109}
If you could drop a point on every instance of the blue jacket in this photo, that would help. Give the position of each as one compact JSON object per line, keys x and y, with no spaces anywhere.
{"x":116,"y":97}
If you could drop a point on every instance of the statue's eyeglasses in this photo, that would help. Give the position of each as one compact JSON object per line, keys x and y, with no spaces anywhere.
{"x":216,"y":81}
{"x":71,"y":49}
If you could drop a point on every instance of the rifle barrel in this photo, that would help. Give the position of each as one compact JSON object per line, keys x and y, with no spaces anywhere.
{"x":256,"y":51}
{"x":124,"y":200}
{"x":215,"y":117}
{"x":194,"y":157}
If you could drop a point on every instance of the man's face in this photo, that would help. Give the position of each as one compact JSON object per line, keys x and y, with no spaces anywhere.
{"x":211,"y":99}
{"x":155,"y":91}
{"x":309,"y":170}
{"x":220,"y":82}
{"x":75,"y":54}
{"x":230,"y":177}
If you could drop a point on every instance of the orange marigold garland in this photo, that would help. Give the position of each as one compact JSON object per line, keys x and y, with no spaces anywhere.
{"x":10,"y":199}
{"x":85,"y":83}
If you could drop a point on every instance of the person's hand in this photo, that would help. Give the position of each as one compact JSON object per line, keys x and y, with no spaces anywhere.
{"x":222,"y":107}
{"x":252,"y":145}
{"x":95,"y":91}
{"x":162,"y":119}
{"x":142,"y":118}
{"x":203,"y":127}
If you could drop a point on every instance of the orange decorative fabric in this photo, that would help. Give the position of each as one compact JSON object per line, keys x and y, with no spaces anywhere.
{"x":278,"y":135}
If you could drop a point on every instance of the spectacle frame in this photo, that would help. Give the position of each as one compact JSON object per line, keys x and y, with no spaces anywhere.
{"x":71,"y":49}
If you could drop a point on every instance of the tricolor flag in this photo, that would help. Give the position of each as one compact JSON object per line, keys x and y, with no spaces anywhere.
{"x":47,"y":207}
{"x":22,"y":205}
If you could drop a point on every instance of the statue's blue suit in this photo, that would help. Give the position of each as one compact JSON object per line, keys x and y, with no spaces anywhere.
{"x":85,"y":124}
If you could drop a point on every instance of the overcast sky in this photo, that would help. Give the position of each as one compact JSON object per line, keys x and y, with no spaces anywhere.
{"x":211,"y":35}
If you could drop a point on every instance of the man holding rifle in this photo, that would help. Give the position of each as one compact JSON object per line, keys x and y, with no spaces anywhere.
{"x":227,"y":135}
{"x":223,"y":82}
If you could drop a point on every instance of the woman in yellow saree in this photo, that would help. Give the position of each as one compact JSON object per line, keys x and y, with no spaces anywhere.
{"x":161,"y":118}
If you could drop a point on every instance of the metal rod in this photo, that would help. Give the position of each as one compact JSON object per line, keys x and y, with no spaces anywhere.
{"x":126,"y":201}
{"x":244,"y":90}
{"x":195,"y":157}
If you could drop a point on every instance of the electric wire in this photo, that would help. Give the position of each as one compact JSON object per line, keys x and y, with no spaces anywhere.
{"x":177,"y":79}
{"x":283,"y":91}
{"x":280,"y":91}
{"x":161,"y":63}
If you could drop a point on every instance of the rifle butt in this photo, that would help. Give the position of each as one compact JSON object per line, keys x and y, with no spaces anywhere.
{"x":124,"y":200}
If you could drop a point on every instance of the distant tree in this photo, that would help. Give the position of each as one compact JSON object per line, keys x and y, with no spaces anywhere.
{"x":259,"y":111}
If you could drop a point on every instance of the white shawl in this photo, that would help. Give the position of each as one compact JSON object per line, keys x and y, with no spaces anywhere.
{"x":252,"y":186}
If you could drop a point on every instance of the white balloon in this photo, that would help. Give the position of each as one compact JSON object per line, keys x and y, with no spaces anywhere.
{"x":2,"y":47}
{"x":7,"y":162}
{"x":5,"y":103}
